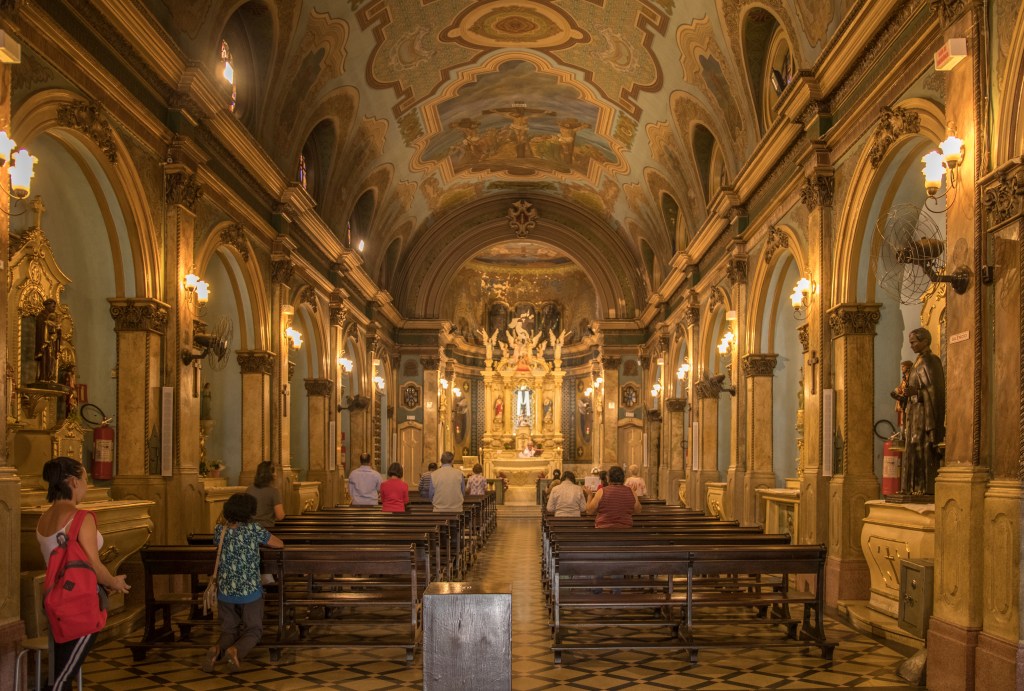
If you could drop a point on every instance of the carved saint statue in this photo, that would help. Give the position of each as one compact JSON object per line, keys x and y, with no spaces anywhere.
{"x":205,"y":403}
{"x":499,"y":411}
{"x":900,"y":392}
{"x":558,"y":342}
{"x":924,"y":420}
{"x":48,"y":338}
{"x":489,"y":342}
{"x":549,"y":408}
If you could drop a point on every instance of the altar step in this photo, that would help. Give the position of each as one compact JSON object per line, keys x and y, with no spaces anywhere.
{"x":518,"y":511}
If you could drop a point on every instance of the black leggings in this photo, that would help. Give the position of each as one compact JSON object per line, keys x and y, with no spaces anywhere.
{"x":67,"y":659}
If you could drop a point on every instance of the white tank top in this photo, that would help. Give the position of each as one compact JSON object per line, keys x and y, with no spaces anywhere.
{"x":48,"y":544}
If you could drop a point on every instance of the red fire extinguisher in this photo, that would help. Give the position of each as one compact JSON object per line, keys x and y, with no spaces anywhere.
{"x":892,"y":465}
{"x":102,"y":441}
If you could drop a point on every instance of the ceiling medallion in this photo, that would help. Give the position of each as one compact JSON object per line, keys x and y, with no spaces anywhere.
{"x":524,"y":24}
{"x":522,"y":218}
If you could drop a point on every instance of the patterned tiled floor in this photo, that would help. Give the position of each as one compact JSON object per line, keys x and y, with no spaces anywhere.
{"x":512,"y":555}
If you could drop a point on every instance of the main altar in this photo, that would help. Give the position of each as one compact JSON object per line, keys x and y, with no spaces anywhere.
{"x":522,"y":437}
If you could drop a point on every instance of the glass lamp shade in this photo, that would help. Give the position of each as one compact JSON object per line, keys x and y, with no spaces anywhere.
{"x":6,"y":146}
{"x":202,"y":292}
{"x":22,"y":172}
{"x":933,"y":171}
{"x":952,"y":151}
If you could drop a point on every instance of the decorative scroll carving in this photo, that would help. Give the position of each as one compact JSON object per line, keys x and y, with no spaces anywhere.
{"x":234,"y":235}
{"x":948,"y":9}
{"x":611,"y":362}
{"x":522,"y":218}
{"x":716,"y":298}
{"x":139,"y":315}
{"x":430,"y":363}
{"x":777,"y":239}
{"x":708,"y":388}
{"x":760,"y":364}
{"x":183,"y":190}
{"x":87,"y":117}
{"x":817,"y":191}
{"x":804,"y":336}
{"x":1004,"y":199}
{"x":281,"y":270}
{"x":893,"y":123}
{"x":319,"y":387}
{"x":255,"y":362}
{"x":853,"y":320}
{"x":737,"y":270}
{"x":308,"y":296}
{"x":690,"y":316}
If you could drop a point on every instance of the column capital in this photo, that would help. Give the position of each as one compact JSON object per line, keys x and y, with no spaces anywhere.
{"x":1003,"y":198}
{"x":182,"y":189}
{"x":281,"y":270}
{"x":430,"y":363}
{"x":817,"y":191}
{"x":736,"y":269}
{"x":255,"y":361}
{"x":760,"y":364}
{"x":854,"y":319}
{"x":319,"y":387}
{"x":139,"y":314}
{"x":339,"y":314}
{"x":690,"y":316}
{"x":611,"y":362}
{"x":676,"y":405}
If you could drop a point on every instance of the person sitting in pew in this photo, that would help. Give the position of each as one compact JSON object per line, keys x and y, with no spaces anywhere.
{"x":424,"y":486}
{"x":394,"y":493}
{"x":566,"y":499}
{"x":447,"y":486}
{"x":364,"y":483}
{"x":614,"y":504}
{"x":269,"y":505}
{"x":635,"y":482}
{"x":477,"y":483}
{"x":239,"y":591}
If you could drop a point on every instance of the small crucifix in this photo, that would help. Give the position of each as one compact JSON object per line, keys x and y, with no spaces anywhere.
{"x":813,"y":362}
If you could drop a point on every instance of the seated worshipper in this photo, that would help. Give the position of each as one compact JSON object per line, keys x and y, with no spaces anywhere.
{"x":615,"y":503}
{"x":529,"y":451}
{"x":556,"y":477}
{"x":447,"y":486}
{"x":364,"y":483}
{"x":424,"y":486}
{"x":603,"y":476}
{"x":269,"y":505}
{"x":566,"y":499}
{"x":635,"y":482}
{"x":394,"y":493}
{"x":477,"y":483}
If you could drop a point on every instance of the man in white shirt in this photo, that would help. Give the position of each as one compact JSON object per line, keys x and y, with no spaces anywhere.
{"x":447,"y":486}
{"x":364,"y":483}
{"x":566,"y":499}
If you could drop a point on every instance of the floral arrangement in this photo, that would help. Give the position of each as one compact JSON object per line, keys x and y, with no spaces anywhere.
{"x":504,"y":480}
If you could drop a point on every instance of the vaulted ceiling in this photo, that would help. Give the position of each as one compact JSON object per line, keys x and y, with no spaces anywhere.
{"x":413,"y":111}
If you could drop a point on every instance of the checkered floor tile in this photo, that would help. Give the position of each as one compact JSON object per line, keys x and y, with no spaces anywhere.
{"x":512,"y":555}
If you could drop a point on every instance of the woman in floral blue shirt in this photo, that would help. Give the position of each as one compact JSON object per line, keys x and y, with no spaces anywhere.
{"x":239,"y":587}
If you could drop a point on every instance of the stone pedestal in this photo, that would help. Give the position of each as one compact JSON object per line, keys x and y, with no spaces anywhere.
{"x":892,"y":533}
{"x":715,"y":499}
{"x":779,"y":510}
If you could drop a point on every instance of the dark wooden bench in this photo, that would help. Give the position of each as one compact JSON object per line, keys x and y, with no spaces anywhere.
{"x":693,"y":592}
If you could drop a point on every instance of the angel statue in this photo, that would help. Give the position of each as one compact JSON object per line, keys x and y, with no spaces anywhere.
{"x":489,"y":342}
{"x":557,"y":343}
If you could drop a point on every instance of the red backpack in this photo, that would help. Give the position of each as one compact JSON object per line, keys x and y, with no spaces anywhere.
{"x":71,"y":595}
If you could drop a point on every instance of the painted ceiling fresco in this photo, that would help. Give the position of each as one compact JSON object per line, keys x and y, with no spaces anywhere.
{"x":436,"y":103}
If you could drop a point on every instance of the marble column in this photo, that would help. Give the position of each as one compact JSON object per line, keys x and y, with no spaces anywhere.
{"x":817,"y":195}
{"x":610,"y":414}
{"x":141,"y":324}
{"x":182,"y":194}
{"x":853,"y":336}
{"x":256,"y":367}
{"x":759,"y":372}
{"x":282,"y":276}
{"x":431,"y":443}
{"x":734,"y":507}
{"x":705,"y":445}
{"x":338,"y":319}
{"x":318,"y":398}
{"x":676,"y":449}
{"x":958,"y":614}
{"x":12,"y":629}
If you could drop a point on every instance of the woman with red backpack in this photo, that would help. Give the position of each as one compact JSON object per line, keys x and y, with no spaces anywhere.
{"x":65,"y":531}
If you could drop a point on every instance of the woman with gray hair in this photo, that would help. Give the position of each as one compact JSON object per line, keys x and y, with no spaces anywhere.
{"x":635,"y":482}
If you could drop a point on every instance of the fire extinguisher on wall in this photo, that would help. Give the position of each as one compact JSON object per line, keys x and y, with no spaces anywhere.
{"x":102,"y":442}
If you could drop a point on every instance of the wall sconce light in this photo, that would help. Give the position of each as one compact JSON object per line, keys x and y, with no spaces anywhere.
{"x":801,"y":297}
{"x":589,"y":391}
{"x":457,"y":391}
{"x":947,"y":163}
{"x":294,"y":338}
{"x":684,"y":371}
{"x":444,"y":383}
{"x":345,"y":363}
{"x":656,"y":388}
{"x":196,"y":289}
{"x":377,"y":378}
{"x":21,"y":170}
{"x":725,"y":345}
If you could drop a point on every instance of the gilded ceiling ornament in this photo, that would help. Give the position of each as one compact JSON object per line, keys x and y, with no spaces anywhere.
{"x":948,"y":9}
{"x":1005,"y":199}
{"x":759,"y":364}
{"x":777,"y":239}
{"x":893,"y":123}
{"x":319,"y":387}
{"x":255,"y":362}
{"x":87,"y":117}
{"x":716,"y":298}
{"x":522,"y":218}
{"x":817,"y":191}
{"x":183,"y":190}
{"x":234,"y":235}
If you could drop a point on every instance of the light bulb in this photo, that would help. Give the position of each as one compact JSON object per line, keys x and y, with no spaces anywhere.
{"x":22,"y":172}
{"x":952,"y":151}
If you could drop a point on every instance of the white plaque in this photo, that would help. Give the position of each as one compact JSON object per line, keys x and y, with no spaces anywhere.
{"x":695,"y":448}
{"x":960,"y":337}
